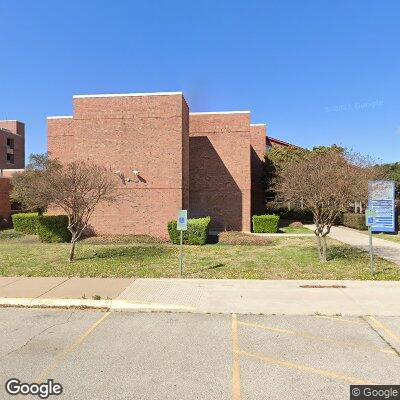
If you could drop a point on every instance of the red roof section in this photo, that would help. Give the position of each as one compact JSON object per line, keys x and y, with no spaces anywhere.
{"x":280,"y":142}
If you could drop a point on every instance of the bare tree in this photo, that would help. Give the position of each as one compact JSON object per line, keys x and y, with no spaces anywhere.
{"x":76,"y":188}
{"x":327,"y":181}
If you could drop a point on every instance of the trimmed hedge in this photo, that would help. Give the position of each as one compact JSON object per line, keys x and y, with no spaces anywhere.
{"x":53,"y":229}
{"x":196,"y":234}
{"x":265,"y":223}
{"x":355,"y":221}
{"x":293,"y":214}
{"x":25,"y":223}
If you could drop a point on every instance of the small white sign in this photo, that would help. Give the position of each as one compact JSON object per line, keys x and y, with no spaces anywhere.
{"x":181,"y":224}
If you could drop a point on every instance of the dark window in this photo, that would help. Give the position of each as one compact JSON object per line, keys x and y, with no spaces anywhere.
{"x":10,"y":158}
{"x":10,"y":143}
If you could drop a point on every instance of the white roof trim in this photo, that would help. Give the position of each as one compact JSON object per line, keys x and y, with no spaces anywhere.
{"x":8,"y":120}
{"x":220,"y":112}
{"x":258,"y":124}
{"x":2,"y":171}
{"x":78,"y":96}
{"x":60,"y":116}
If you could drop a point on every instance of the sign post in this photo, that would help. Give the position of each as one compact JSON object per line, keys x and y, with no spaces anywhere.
{"x":370,"y":216}
{"x":181,"y":225}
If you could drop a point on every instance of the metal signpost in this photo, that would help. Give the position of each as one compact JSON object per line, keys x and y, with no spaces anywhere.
{"x":181,"y":225}
{"x":370,"y":216}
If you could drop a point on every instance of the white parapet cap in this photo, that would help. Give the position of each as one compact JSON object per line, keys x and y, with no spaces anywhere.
{"x":219,"y":112}
{"x":60,"y":117}
{"x":10,"y":170}
{"x":258,"y":124}
{"x":79,"y":96}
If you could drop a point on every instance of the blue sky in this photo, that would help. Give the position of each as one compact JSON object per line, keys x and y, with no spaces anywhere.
{"x":317,"y":72}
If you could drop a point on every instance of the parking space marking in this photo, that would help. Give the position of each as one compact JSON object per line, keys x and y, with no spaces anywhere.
{"x":379,"y":326}
{"x":64,"y":354}
{"x":305,"y":368}
{"x":307,"y":335}
{"x":340,"y":319}
{"x":236,"y":395}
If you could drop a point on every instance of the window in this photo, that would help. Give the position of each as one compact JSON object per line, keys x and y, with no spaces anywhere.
{"x":10,"y":143}
{"x":10,"y":158}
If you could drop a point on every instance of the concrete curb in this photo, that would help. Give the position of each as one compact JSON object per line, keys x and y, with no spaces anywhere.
{"x":114,"y":305}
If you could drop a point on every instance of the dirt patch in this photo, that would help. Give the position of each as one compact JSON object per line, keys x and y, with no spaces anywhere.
{"x":240,"y":238}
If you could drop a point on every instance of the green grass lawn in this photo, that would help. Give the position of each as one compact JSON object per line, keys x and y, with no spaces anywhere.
{"x":295,"y":229}
{"x":236,"y":256}
{"x":387,"y":236}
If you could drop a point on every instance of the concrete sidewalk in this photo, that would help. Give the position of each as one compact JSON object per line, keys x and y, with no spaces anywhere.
{"x":383,"y":248}
{"x":207,"y":296}
{"x":65,"y":288}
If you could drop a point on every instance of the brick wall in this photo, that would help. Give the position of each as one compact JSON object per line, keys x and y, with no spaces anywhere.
{"x":148,"y":133}
{"x":5,"y":206}
{"x":185,"y":156}
{"x":220,"y":182}
{"x":258,"y":140}
{"x":13,"y":130}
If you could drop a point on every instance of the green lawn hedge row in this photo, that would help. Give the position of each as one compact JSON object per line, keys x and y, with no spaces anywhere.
{"x":355,"y":221}
{"x":293,"y":214}
{"x":265,"y":223}
{"x":25,"y":223}
{"x":49,"y":228}
{"x":197,"y":232}
{"x":53,"y":229}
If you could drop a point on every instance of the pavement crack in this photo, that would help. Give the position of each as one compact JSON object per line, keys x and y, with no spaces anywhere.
{"x":382,"y":337}
{"x":53,"y":287}
{"x":37,"y":335}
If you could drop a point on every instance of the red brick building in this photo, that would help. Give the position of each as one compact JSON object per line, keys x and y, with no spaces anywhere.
{"x":209,"y":163}
{"x":12,"y":157}
{"x":12,"y":145}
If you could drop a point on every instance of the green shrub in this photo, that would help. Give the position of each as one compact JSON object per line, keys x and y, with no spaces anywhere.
{"x":355,"y":221}
{"x":197,"y":232}
{"x":292,"y":214}
{"x":25,"y":223}
{"x":53,"y":229}
{"x":265,"y":223}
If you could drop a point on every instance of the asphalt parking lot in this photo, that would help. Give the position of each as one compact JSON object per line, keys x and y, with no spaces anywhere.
{"x":102,"y":355}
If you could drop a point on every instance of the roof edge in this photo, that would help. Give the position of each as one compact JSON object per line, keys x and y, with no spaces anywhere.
{"x":80,"y":96}
{"x":219,"y":112}
{"x":60,"y":117}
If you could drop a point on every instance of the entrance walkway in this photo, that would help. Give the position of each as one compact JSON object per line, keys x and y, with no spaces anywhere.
{"x":383,"y":248}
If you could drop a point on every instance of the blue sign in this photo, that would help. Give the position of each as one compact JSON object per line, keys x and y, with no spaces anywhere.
{"x":381,"y":199}
{"x":370,"y":216}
